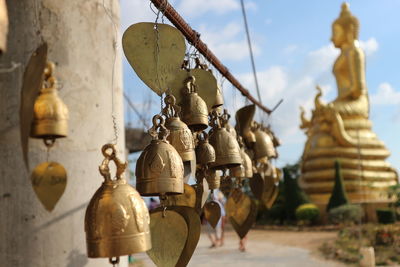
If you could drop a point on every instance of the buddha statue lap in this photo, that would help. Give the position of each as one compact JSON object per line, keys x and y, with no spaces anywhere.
{"x":341,"y":130}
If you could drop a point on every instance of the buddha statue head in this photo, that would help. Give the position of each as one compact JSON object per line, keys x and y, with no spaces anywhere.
{"x":345,"y":28}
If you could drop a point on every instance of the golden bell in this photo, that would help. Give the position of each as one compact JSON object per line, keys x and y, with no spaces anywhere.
{"x":194,"y":109}
{"x":159,"y":169}
{"x":227,"y":151}
{"x":116,"y":220}
{"x":180,"y":137}
{"x":264,"y":148}
{"x":245,"y":170}
{"x":205,"y":153}
{"x":213,"y":179}
{"x":50,"y":113}
{"x":219,"y":100}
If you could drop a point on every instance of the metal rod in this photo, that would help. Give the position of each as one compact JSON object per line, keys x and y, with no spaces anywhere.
{"x":194,"y":38}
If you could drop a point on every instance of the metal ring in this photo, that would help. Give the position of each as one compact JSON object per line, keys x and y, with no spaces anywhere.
{"x":104,"y":150}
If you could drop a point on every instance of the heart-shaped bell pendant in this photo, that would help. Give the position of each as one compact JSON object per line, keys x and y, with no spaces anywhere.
{"x":117,"y":219}
{"x":212,"y":213}
{"x":169,"y":232}
{"x":241,"y":211}
{"x":180,"y":137}
{"x":159,"y":169}
{"x":244,"y":118}
{"x":187,"y":199}
{"x":49,"y":180}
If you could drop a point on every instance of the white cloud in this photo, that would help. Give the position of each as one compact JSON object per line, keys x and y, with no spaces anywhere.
{"x":290,"y":49}
{"x":321,"y":60}
{"x":228,"y":43}
{"x":369,"y":46}
{"x":386,"y":95}
{"x":134,"y":11}
{"x":272,"y":82}
{"x":196,"y":8}
{"x":250,"y":5}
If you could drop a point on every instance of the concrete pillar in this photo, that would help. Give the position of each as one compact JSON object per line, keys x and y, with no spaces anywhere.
{"x":80,"y":38}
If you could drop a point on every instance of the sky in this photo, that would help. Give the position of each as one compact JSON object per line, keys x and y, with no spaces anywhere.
{"x":293,"y":54}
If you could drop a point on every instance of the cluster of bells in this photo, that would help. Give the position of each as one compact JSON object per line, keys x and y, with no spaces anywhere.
{"x":117,"y":220}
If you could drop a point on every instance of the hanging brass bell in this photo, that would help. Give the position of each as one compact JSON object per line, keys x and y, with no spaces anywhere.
{"x":159,"y":169}
{"x":245,"y":170}
{"x":50,"y":113}
{"x":180,"y":137}
{"x":205,"y":153}
{"x":264,"y":148}
{"x":194,"y":109}
{"x":227,"y":151}
{"x":116,"y":220}
{"x":213,"y":179}
{"x":219,"y":100}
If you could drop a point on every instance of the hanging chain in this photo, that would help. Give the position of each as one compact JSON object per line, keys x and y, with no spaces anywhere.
{"x":115,"y":46}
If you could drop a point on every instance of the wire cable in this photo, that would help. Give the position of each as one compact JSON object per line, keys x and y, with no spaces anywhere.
{"x":253,"y":65}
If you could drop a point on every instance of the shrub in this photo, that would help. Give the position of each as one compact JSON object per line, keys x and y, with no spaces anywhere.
{"x":307,"y":213}
{"x":346,"y":214}
{"x":294,"y":195}
{"x":386,"y":216}
{"x":338,"y":196}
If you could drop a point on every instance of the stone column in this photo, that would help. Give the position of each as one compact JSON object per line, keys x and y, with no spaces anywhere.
{"x":80,"y":38}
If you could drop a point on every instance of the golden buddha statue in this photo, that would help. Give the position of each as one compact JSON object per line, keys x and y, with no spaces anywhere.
{"x":341,"y":130}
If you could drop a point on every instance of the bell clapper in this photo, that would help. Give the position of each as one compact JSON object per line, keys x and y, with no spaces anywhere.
{"x":163,"y":200}
{"x":114,"y":261}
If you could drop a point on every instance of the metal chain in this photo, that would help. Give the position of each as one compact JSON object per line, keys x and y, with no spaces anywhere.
{"x":115,"y":46}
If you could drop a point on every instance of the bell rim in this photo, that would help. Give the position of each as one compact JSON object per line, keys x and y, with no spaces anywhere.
{"x":140,"y":242}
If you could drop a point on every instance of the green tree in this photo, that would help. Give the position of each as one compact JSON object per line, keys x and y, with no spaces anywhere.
{"x":338,"y":196}
{"x":294,"y":195}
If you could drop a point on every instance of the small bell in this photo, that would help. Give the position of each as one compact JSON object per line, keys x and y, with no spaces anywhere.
{"x":246,"y":169}
{"x":213,"y":179}
{"x":194,"y":109}
{"x":180,"y":137}
{"x":205,"y":153}
{"x":227,"y":151}
{"x":116,"y":220}
{"x":50,"y":113}
{"x":219,"y":100}
{"x":159,"y":169}
{"x":264,"y":148}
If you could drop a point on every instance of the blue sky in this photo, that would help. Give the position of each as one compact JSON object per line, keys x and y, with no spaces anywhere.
{"x":293,"y":54}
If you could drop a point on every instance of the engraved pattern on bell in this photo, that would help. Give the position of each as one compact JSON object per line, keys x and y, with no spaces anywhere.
{"x":180,"y":136}
{"x":116,"y":220}
{"x":227,"y":151}
{"x":213,"y":179}
{"x":159,"y":169}
{"x":205,"y":152}
{"x":194,"y":109}
{"x":50,"y":113}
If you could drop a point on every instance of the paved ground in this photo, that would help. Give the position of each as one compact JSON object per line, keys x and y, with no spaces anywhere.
{"x":264,"y":248}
